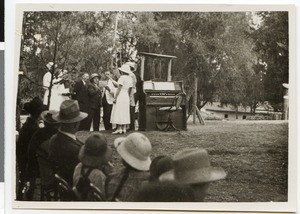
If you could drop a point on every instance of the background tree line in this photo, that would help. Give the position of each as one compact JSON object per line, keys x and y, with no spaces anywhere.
{"x":240,"y":58}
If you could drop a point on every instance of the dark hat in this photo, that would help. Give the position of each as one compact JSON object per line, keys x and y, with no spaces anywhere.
{"x":35,"y":106}
{"x":69,"y":112}
{"x":160,"y":165}
{"x":95,"y":151}
{"x":47,"y":116}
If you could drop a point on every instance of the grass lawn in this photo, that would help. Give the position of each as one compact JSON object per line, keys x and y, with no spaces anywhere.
{"x":253,"y":153}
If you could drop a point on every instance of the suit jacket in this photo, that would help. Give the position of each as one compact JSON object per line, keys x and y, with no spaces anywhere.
{"x":81,"y":95}
{"x":26,"y":133}
{"x":40,"y":136}
{"x":94,"y":96}
{"x":63,"y":153}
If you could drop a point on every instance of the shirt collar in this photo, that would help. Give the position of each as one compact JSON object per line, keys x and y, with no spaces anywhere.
{"x":69,"y":135}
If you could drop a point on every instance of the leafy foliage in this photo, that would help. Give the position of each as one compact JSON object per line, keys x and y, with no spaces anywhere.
{"x":236,"y":59}
{"x":271,"y":46}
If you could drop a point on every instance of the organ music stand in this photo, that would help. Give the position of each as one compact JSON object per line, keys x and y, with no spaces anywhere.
{"x":159,"y":57}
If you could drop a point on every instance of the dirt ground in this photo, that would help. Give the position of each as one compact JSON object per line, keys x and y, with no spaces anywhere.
{"x":253,"y":153}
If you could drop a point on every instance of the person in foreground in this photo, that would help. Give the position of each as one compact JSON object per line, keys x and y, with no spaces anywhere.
{"x":135,"y":151}
{"x":34,"y":108}
{"x":94,"y":156}
{"x":160,"y":165}
{"x":38,"y":138}
{"x":64,"y":147}
{"x":165,"y":192}
{"x":192,"y":167}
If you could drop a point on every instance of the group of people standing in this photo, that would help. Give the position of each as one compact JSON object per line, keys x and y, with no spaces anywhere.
{"x":117,"y":97}
{"x":55,"y":149}
{"x":185,"y":177}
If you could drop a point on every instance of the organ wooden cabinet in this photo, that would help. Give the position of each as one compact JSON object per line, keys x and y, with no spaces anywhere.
{"x":157,"y":95}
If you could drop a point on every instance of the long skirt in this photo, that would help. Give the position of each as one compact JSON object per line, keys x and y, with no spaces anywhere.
{"x":121,"y":112}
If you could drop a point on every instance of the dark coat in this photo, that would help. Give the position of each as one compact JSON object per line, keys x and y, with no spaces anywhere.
{"x":81,"y":95}
{"x":139,"y":88}
{"x":40,"y":136}
{"x":63,"y":153}
{"x":26,"y":132}
{"x":94,"y":96}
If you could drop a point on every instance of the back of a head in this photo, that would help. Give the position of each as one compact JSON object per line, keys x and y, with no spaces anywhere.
{"x":160,"y":165}
{"x":165,"y":192}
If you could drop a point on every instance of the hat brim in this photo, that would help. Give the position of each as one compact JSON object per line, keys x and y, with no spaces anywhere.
{"x":80,"y":117}
{"x":83,"y":135}
{"x":203,"y":175}
{"x":127,"y":72}
{"x":94,"y":77}
{"x":94,"y":161}
{"x":43,"y":114}
{"x":128,"y":158}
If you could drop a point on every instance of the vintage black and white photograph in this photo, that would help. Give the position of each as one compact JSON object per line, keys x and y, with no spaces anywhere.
{"x":153,"y":106}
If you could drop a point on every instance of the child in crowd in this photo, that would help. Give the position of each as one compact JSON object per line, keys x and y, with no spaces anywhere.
{"x":135,"y":151}
{"x":160,"y":165}
{"x":93,"y":156}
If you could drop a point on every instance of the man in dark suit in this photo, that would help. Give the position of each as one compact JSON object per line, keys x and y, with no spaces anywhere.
{"x":94,"y":93}
{"x":81,"y":95}
{"x":64,"y":148}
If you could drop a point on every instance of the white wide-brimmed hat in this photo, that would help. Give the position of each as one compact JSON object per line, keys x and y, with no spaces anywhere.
{"x":125,"y":68}
{"x":135,"y":150}
{"x":192,"y":166}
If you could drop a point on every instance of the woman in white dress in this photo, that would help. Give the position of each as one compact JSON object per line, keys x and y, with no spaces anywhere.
{"x":121,"y":108}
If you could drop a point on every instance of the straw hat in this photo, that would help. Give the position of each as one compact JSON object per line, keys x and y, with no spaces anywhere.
{"x":125,"y":68}
{"x":35,"y":106}
{"x":93,"y":76}
{"x":135,"y":150}
{"x":47,"y":116}
{"x":69,"y":112}
{"x":192,"y":166}
{"x":95,"y":151}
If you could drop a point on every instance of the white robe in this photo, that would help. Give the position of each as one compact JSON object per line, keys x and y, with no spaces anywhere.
{"x":56,"y":92}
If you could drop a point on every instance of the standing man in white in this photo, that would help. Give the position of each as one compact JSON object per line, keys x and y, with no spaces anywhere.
{"x":107,"y":100}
